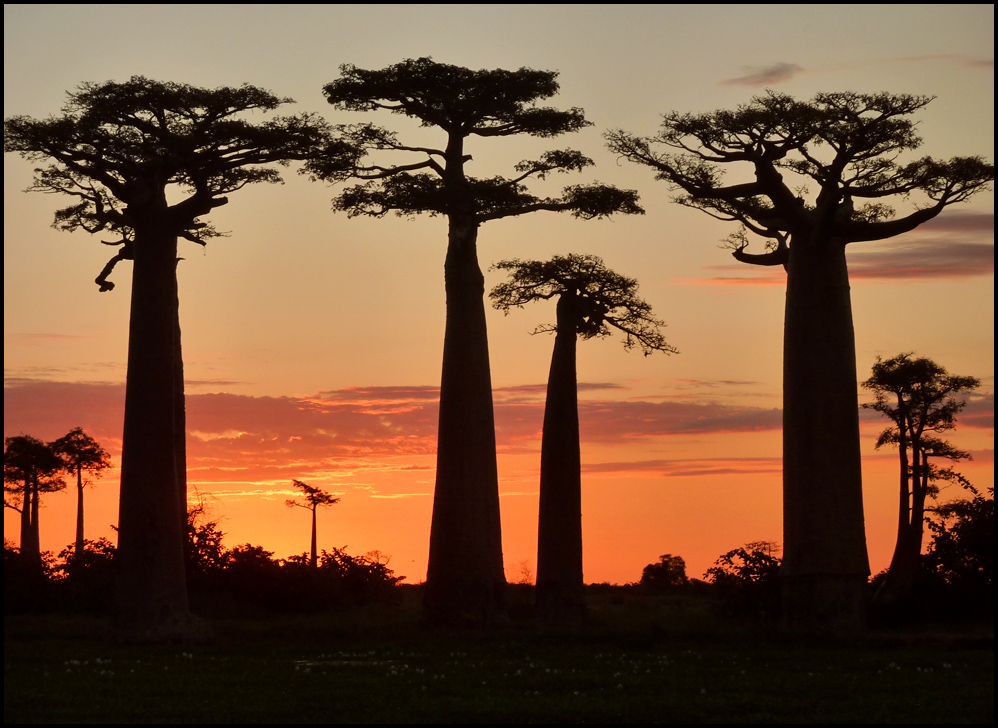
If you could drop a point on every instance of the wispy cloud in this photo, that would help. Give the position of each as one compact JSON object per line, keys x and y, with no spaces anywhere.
{"x":688,"y":467}
{"x":765,"y":75}
{"x":935,"y":259}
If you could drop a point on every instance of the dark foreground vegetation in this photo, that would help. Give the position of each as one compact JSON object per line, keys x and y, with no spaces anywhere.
{"x":643,"y":657}
{"x":344,"y":642}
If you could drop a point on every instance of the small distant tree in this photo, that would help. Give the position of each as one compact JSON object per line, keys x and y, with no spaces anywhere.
{"x":593,"y":301}
{"x":668,"y":572}
{"x":30,"y":468}
{"x":919,"y":397}
{"x":314,"y":497}
{"x":464,"y":578}
{"x":81,"y":454}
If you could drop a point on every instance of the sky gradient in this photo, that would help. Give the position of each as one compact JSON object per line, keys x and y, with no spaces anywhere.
{"x":312,"y":342}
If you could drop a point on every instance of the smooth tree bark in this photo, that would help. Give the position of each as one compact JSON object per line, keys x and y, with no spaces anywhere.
{"x":919,"y":397}
{"x":465,"y":581}
{"x":846,"y":146}
{"x":117,"y":149}
{"x":592,"y":301}
{"x":559,"y":591}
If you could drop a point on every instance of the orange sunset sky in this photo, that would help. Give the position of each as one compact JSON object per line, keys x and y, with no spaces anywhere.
{"x":313,"y":342}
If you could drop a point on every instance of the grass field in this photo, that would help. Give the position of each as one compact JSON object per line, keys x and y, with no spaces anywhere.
{"x":640,"y":660}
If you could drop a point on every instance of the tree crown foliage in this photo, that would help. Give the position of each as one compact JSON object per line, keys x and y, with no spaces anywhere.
{"x":81,"y":453}
{"x":843,"y":155}
{"x":605,"y":300}
{"x":668,"y":571}
{"x":963,"y":542}
{"x":117,"y":146}
{"x":314,"y":497}
{"x":919,"y":397}
{"x":27,"y":461}
{"x":461,"y":102}
{"x":916,"y":393}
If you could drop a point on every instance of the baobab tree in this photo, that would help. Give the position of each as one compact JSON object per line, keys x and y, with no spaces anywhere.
{"x":314,"y":497}
{"x":464,"y":577}
{"x":81,"y":454}
{"x":30,"y":468}
{"x":847,"y":146}
{"x":145,"y":161}
{"x":592,"y":301}
{"x":919,"y":397}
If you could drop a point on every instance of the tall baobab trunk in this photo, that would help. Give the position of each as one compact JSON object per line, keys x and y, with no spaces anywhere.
{"x":151,"y":598}
{"x":559,"y":593}
{"x":465,"y":580}
{"x":825,"y":564}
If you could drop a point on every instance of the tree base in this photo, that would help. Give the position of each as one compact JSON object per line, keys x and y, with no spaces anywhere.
{"x":824,"y":603}
{"x":558,"y":604}
{"x":181,"y":628}
{"x":464,"y":603}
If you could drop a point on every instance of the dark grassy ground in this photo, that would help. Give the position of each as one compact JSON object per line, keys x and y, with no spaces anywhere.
{"x":641,"y":659}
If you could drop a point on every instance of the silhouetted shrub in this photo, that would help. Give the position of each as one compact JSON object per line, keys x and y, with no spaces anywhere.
{"x":748,"y":579}
{"x":668,"y":573}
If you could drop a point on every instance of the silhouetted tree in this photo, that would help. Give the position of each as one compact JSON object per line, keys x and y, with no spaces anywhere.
{"x":962,"y":550}
{"x":30,"y":468}
{"x":917,"y":394}
{"x":118,"y":148}
{"x":314,"y":497}
{"x":205,"y":553}
{"x":81,"y":454}
{"x":749,"y":578}
{"x":465,"y":570}
{"x":847,"y":145}
{"x":669,"y":571}
{"x":593,"y":301}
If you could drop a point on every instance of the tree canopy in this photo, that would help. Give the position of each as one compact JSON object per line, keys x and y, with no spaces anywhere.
{"x":841,"y":152}
{"x":462,"y":102}
{"x":117,"y":146}
{"x":606,"y":299}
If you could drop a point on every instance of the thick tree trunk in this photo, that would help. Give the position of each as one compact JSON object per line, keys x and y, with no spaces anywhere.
{"x":151,"y":597}
{"x":464,"y":579}
{"x":825,"y":564}
{"x":559,"y":593}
